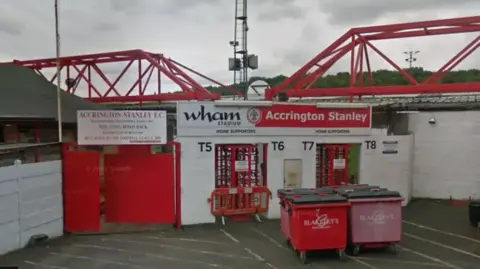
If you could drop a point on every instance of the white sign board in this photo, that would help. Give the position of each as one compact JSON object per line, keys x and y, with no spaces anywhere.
{"x":339,"y":164}
{"x":121,"y":127}
{"x":216,"y":119}
{"x":241,"y":166}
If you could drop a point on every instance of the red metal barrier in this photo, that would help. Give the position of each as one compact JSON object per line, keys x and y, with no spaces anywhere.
{"x":240,"y":182}
{"x":239,"y":201}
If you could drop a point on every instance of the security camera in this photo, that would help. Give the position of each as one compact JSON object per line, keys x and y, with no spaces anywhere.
{"x":432,"y":120}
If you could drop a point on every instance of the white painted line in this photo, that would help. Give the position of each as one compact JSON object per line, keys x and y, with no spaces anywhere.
{"x":275,"y":242}
{"x":99,"y":260}
{"x":44,"y":265}
{"x":400,"y":261}
{"x":255,"y":255}
{"x":441,"y":232}
{"x":260,"y":258}
{"x":187,"y":240}
{"x":431,"y":258}
{"x":362,"y":262}
{"x":229,"y":236}
{"x":442,"y":245}
{"x":179,"y":248}
{"x":153,"y":255}
{"x":271,"y":265}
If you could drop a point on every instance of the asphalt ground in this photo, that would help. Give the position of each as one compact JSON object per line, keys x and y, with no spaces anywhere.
{"x":436,"y":235}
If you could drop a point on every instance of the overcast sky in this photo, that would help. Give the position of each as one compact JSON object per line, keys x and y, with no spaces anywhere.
{"x":284,"y":33}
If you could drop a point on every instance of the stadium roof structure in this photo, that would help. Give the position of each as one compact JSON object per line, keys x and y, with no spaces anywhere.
{"x":24,"y":94}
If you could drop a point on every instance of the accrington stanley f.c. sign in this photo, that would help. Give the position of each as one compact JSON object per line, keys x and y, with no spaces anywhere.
{"x":209,"y":119}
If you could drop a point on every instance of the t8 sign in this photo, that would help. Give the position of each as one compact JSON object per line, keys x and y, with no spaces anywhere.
{"x":208,"y":119}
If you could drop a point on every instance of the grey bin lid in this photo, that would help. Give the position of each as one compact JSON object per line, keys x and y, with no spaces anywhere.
{"x":305,"y":191}
{"x":356,"y":187}
{"x":316,"y":199}
{"x":475,"y":203}
{"x":363,"y":189}
{"x":382,"y":193}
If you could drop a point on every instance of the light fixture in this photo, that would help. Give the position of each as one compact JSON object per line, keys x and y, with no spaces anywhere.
{"x":432,"y":120}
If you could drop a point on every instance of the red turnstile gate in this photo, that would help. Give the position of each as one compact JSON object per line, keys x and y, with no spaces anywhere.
{"x":239,"y":182}
{"x":236,"y":166}
{"x":332,"y":165}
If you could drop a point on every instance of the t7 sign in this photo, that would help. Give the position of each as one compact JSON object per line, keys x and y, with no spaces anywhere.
{"x":210,"y":119}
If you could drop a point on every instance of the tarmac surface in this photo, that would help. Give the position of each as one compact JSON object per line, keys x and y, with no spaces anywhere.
{"x":436,"y":235}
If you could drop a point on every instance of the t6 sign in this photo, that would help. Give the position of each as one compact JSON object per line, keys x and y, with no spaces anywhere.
{"x":210,"y":119}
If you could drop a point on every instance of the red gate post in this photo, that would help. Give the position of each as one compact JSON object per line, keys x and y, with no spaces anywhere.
{"x":178,"y":186}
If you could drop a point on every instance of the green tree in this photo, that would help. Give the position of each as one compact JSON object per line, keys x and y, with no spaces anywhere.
{"x":380,"y":77}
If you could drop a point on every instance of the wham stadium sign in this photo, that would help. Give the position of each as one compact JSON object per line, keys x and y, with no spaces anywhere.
{"x":206,"y":119}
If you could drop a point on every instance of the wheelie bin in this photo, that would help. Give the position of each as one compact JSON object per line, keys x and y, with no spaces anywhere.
{"x":474,"y":212}
{"x":282,"y":193}
{"x":317,"y":222}
{"x":375,"y":219}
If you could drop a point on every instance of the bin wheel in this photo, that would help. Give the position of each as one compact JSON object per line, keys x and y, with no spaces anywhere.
{"x":342,"y":255}
{"x":288,"y":243}
{"x":393,"y":249}
{"x":303,"y":256}
{"x":356,"y":250}
{"x":474,"y":224}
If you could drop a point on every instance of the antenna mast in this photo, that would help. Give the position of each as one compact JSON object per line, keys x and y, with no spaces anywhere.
{"x":241,"y":61}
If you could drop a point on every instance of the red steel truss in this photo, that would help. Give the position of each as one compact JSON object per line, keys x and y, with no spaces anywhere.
{"x":357,"y":40}
{"x":108,"y":90}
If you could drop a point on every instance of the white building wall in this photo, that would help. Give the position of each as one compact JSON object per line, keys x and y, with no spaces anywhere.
{"x":392,"y":171}
{"x":197,"y":168}
{"x":446,"y":155}
{"x":30,"y":203}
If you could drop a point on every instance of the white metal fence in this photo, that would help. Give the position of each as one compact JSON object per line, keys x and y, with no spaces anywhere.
{"x":31,"y":203}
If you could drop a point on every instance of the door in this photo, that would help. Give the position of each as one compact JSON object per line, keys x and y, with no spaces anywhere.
{"x":139,"y":188}
{"x":292,"y":173}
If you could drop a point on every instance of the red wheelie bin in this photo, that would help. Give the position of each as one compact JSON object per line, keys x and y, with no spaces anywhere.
{"x":317,"y":222}
{"x":375,"y":219}
{"x":282,"y":193}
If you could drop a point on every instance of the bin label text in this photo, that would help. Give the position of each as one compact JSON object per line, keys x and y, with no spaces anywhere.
{"x":379,"y":217}
{"x":321,"y":222}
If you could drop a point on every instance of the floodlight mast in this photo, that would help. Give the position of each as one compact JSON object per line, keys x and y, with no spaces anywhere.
{"x":241,"y":61}
{"x":59,"y":80}
{"x":410,"y":58}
